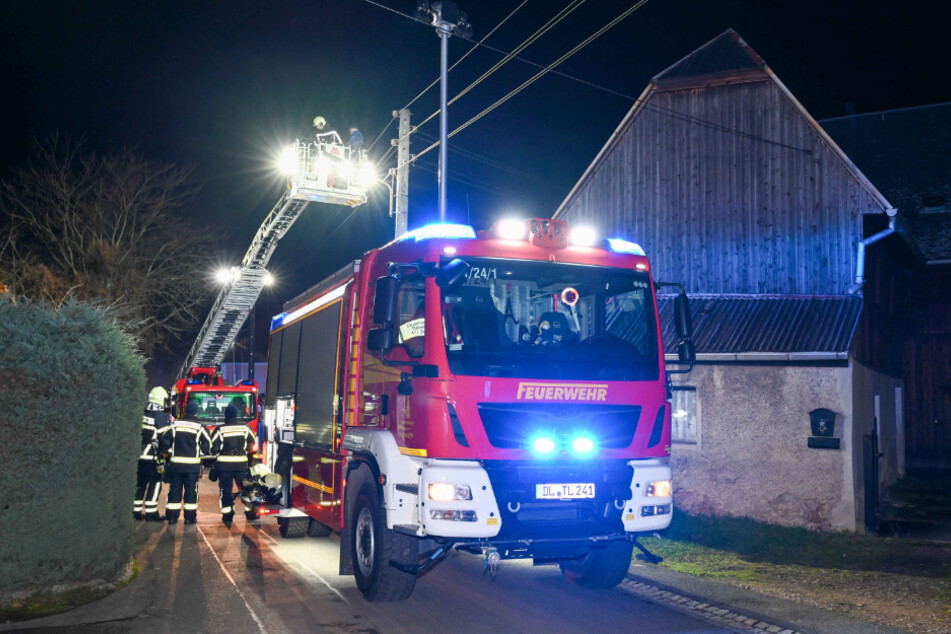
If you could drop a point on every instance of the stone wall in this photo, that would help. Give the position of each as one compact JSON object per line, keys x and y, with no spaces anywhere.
{"x":751,"y":458}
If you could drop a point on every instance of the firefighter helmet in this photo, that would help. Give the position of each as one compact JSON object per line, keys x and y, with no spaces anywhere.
{"x":319,"y":123}
{"x":158,"y":396}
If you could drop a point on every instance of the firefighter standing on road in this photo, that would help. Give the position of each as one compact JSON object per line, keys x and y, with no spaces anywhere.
{"x":188,"y":441}
{"x":231,"y":443}
{"x":148,"y":484}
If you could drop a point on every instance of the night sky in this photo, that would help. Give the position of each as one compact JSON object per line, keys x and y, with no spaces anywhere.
{"x":221,"y":85}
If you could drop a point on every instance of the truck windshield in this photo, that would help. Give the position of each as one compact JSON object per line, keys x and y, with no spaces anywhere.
{"x":549,"y":320}
{"x":211,"y":405}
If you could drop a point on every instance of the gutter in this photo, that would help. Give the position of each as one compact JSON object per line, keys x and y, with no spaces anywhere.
{"x":892,"y":214}
{"x":802,"y":357}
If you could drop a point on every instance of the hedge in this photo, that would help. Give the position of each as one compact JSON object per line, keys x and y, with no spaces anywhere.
{"x":72,"y":390}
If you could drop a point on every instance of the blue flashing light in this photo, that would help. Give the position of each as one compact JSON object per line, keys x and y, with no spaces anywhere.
{"x":543,"y":444}
{"x":277,"y":321}
{"x":247,"y":382}
{"x":193,"y":382}
{"x":625,"y":246}
{"x":441,"y":230}
{"x":582,"y":444}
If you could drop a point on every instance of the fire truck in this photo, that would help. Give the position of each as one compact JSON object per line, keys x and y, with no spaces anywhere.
{"x":501,"y":392}
{"x":206,"y":388}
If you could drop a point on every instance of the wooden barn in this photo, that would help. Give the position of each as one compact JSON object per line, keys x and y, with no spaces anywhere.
{"x":796,"y":265}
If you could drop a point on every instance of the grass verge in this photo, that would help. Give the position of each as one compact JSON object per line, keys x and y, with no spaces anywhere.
{"x":48,"y":603}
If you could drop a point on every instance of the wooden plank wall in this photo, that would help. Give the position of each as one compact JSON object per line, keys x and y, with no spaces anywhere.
{"x":722,"y":212}
{"x":927,"y":371}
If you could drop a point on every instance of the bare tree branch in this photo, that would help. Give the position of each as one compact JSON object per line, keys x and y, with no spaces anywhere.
{"x":114,"y":228}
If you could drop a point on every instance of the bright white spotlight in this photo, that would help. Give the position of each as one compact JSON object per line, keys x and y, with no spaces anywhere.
{"x":287,"y":162}
{"x":323,"y":166}
{"x":583,"y":237}
{"x":511,"y":229}
{"x":223,"y":276}
{"x":368,"y":174}
{"x":268,"y":279}
{"x":346,"y":170}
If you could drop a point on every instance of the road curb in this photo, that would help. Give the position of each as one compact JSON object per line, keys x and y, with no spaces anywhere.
{"x":741,"y":609}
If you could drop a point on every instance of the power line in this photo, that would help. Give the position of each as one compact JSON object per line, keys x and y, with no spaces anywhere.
{"x":459,"y":61}
{"x":682,"y":116}
{"x":475,"y":156}
{"x":561,"y":15}
{"x":544,"y":71}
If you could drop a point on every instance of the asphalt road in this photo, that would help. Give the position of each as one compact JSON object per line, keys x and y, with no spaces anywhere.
{"x":208,"y":578}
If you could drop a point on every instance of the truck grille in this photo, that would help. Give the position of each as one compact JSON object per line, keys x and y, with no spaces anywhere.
{"x":513,"y":425}
{"x":514,"y":484}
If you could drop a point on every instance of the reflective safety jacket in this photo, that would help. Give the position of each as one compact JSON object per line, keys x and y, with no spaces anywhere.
{"x":231,"y":443}
{"x":154,"y":424}
{"x":187,"y":441}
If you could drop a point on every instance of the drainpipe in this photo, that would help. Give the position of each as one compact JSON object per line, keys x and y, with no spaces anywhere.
{"x":860,"y":257}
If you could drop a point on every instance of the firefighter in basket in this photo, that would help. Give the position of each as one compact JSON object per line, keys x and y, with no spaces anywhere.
{"x":230,"y":444}
{"x":187,"y":440}
{"x":148,"y":484}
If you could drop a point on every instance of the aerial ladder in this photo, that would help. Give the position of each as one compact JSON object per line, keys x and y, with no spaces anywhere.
{"x":325,"y":171}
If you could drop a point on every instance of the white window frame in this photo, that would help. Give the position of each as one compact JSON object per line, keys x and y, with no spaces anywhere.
{"x":681,"y":399}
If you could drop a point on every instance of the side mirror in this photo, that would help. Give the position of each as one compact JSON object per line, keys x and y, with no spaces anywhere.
{"x":682,"y":318}
{"x":451,"y":274}
{"x":385,"y":300}
{"x":686,"y":351}
{"x":380,"y":339}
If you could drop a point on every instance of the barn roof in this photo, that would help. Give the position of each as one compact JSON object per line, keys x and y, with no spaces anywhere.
{"x":789,"y":327}
{"x":710,"y":65}
{"x":725,"y":54}
{"x":905,"y":153}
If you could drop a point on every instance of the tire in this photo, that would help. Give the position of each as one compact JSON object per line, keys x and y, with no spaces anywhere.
{"x":316,"y":529}
{"x":601,"y":567}
{"x":373,"y":546}
{"x":292,"y":527}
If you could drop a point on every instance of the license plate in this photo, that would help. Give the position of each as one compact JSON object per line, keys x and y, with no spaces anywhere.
{"x":569,"y":491}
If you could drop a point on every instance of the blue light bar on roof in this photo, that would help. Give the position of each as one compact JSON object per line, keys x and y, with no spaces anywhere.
{"x":441,"y":230}
{"x":625,"y":246}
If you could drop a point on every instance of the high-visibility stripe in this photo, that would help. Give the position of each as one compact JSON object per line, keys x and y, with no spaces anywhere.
{"x":162,"y":430}
{"x":190,"y":431}
{"x":310,"y":483}
{"x":191,"y":507}
{"x":227,"y":509}
{"x":185,"y":460}
{"x":137,"y":506}
{"x":232,"y":458}
{"x":173,"y":506}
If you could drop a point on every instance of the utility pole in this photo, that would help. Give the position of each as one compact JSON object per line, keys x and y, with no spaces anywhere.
{"x":448,"y":20}
{"x":402,"y":172}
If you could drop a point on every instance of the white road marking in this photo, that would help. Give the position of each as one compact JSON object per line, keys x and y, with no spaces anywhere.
{"x":306,"y":567}
{"x":173,"y":576}
{"x":231,"y":579}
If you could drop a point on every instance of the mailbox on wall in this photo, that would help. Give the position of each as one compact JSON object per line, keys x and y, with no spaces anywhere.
{"x":822,"y":422}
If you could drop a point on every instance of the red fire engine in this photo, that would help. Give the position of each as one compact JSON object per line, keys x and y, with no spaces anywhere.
{"x":501,"y":392}
{"x":206,"y":388}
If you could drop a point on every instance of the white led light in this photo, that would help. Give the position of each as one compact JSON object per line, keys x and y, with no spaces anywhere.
{"x":287,"y":163}
{"x":511,"y":229}
{"x":659,"y":489}
{"x":583,"y":237}
{"x":543,"y":444}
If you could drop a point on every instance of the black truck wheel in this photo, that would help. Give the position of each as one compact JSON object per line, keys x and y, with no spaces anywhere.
{"x":316,"y":529}
{"x":601,"y":567}
{"x":292,"y":527}
{"x":373,"y":546}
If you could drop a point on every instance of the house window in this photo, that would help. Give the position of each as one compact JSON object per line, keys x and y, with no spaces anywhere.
{"x":684,"y":421}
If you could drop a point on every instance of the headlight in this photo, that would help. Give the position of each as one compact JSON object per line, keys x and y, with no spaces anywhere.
{"x":659,"y":489}
{"x":446,"y":492}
